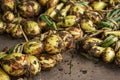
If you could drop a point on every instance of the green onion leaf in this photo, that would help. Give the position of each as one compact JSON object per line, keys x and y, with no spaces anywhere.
{"x":107,"y":24}
{"x":48,"y":21}
{"x":89,"y":57}
{"x":11,"y":50}
{"x":2,"y":55}
{"x":109,"y":41}
{"x":83,"y":3}
{"x":113,"y":13}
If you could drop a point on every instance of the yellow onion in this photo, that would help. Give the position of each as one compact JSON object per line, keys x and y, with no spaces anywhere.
{"x":51,"y":12}
{"x":117,"y":58}
{"x":87,"y":25}
{"x":44,"y":26}
{"x":31,"y":28}
{"x":46,"y":61}
{"x":2,"y":26}
{"x":8,"y":16}
{"x":76,"y":32}
{"x":3,"y":75}
{"x":78,"y":10}
{"x":57,"y":57}
{"x":43,"y":2}
{"x":90,"y":42}
{"x":15,"y":30}
{"x":52,"y":3}
{"x":67,"y":39}
{"x":46,"y":34}
{"x":65,"y":10}
{"x":34,"y":66}
{"x":15,"y":64}
{"x":29,"y":8}
{"x":8,"y":5}
{"x":108,"y":55}
{"x":33,"y":47}
{"x":67,"y":21}
{"x":99,"y":5}
{"x":94,"y":16}
{"x":96,"y":51}
{"x":54,"y":44}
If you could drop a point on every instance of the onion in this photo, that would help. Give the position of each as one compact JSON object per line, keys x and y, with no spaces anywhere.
{"x":15,"y":64}
{"x":3,"y":75}
{"x":33,"y":47}
{"x":34,"y":66}
{"x":54,"y":44}
{"x":46,"y":61}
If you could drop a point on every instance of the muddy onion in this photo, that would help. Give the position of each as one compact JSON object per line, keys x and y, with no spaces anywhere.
{"x":2,"y":27}
{"x":67,"y":39}
{"x":54,"y":44}
{"x":57,"y":57}
{"x":108,"y":55}
{"x":43,"y":2}
{"x":52,"y":3}
{"x":3,"y":75}
{"x":76,"y":32}
{"x":99,"y":5}
{"x":46,"y":61}
{"x":29,"y":8}
{"x":31,"y":28}
{"x":8,"y":16}
{"x":78,"y":10}
{"x":90,"y":42}
{"x":15,"y":64}
{"x":117,"y":58}
{"x":87,"y":25}
{"x":96,"y":51}
{"x":33,"y":47}
{"x":8,"y":5}
{"x":67,"y":21}
{"x":34,"y":66}
{"x":15,"y":30}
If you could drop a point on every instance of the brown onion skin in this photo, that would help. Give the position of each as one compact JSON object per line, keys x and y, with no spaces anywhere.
{"x":29,"y":9}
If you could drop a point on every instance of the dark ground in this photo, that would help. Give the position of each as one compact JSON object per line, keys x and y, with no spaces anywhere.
{"x":73,"y":67}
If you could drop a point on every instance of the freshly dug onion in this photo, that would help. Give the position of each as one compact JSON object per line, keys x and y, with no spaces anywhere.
{"x":52,"y":3}
{"x":46,"y":61}
{"x":90,"y":42}
{"x":2,"y":27}
{"x":87,"y":25}
{"x":108,"y":55}
{"x":43,"y":26}
{"x":78,"y":10}
{"x":99,"y":5}
{"x":43,"y":2}
{"x":31,"y":28}
{"x":15,"y":64}
{"x":33,"y":47}
{"x":67,"y":21}
{"x":67,"y":39}
{"x":94,"y":16}
{"x":54,"y":44}
{"x":57,"y":57}
{"x":8,"y":5}
{"x":3,"y":75}
{"x":96,"y":51}
{"x":9,"y":27}
{"x":34,"y":66}
{"x":15,"y":30}
{"x":117,"y":58}
{"x":8,"y":16}
{"x":29,"y":9}
{"x":76,"y":32}
{"x":46,"y":34}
